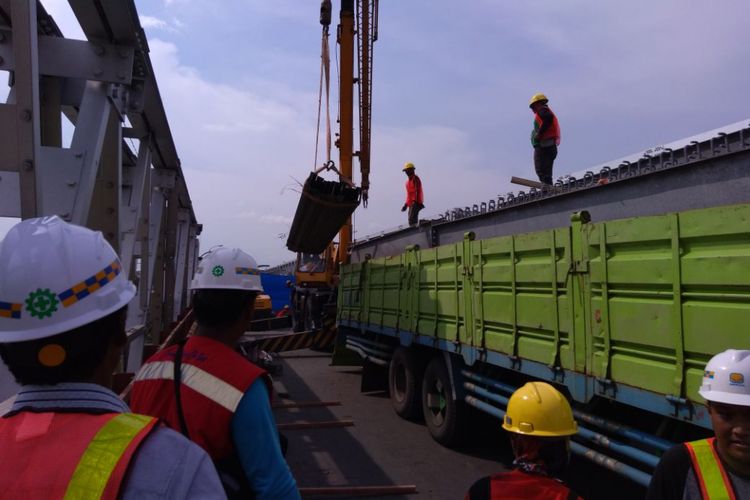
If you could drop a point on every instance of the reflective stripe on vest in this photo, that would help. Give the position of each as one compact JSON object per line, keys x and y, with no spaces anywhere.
{"x":202,"y":382}
{"x":710,"y":473}
{"x":67,"y":455}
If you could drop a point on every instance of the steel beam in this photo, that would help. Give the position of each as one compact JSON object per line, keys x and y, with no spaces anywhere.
{"x":10,"y":194}
{"x":183,"y":239}
{"x":50,"y":107}
{"x":719,"y":180}
{"x":135,"y":180}
{"x":170,"y":255}
{"x":88,"y":140}
{"x":26,"y":93}
{"x":104,"y":213}
{"x":75,"y":59}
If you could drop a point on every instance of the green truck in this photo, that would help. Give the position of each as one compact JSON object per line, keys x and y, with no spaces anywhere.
{"x":621,"y":315}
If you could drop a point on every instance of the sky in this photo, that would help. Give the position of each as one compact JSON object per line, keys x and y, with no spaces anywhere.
{"x":452,"y":80}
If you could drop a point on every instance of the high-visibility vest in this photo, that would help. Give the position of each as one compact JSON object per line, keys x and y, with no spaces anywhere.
{"x":414,"y":192}
{"x":518,"y":484}
{"x":553,"y":132}
{"x":68,"y":455}
{"x":213,"y":380}
{"x":709,"y":472}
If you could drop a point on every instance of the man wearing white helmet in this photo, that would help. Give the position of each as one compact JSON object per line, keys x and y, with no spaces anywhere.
{"x":718,"y":467}
{"x":214,"y":395}
{"x":63,"y":300}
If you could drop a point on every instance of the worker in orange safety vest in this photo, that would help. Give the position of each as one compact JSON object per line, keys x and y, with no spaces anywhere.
{"x":414,"y":194}
{"x":63,"y":301}
{"x":717,"y":467}
{"x":545,"y":137}
{"x":540,"y":422}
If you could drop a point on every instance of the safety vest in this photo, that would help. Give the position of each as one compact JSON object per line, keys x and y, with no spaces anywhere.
{"x":553,"y":132}
{"x":709,"y":471}
{"x":214,"y":379}
{"x":68,"y":455}
{"x":414,"y":191}
{"x":518,"y":484}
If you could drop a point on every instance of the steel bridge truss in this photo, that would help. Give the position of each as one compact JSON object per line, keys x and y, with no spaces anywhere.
{"x":121,"y":173}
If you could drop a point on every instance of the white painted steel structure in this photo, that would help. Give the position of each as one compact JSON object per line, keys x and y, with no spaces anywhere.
{"x":121,"y":173}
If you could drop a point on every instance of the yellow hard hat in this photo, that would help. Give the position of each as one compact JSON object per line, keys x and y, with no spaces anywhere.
{"x":538,"y":409}
{"x":537,"y":98}
{"x":408,"y":166}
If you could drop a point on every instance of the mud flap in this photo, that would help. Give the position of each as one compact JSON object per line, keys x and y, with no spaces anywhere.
{"x":374,"y":378}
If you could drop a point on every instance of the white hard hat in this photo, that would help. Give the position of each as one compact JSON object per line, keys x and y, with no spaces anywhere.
{"x":227,"y":269}
{"x":55,"y":277}
{"x":727,"y":378}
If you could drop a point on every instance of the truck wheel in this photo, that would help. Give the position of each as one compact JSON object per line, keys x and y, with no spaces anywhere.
{"x":404,"y":375}
{"x":441,"y":413}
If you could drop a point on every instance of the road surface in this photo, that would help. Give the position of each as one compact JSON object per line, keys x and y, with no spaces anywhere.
{"x":383,"y":449}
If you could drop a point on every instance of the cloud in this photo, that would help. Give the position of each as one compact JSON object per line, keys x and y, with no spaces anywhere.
{"x":155,"y":23}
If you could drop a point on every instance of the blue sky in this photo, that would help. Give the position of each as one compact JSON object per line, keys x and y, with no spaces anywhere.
{"x":239,"y":79}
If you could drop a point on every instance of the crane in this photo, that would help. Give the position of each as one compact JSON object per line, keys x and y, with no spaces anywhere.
{"x":311,"y":234}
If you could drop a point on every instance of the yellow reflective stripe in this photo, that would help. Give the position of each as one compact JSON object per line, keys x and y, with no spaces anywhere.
{"x":710,"y":470}
{"x":202,"y":382}
{"x":102,"y":455}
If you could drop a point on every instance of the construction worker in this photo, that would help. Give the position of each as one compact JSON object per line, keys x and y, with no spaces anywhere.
{"x":540,"y":422}
{"x":211,"y":393}
{"x":283,"y":312}
{"x":63,"y":299}
{"x":414,"y":195}
{"x":718,"y":467}
{"x":545,"y":137}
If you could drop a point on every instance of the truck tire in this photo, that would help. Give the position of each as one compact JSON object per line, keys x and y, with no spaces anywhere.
{"x":442,"y":414}
{"x":404,"y":376}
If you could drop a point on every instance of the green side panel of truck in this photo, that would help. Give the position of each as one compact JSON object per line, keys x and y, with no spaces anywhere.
{"x":643,"y":302}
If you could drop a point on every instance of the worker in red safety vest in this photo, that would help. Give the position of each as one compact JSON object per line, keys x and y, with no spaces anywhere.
{"x":540,"y":422}
{"x":63,"y":300}
{"x":717,"y":467}
{"x":211,"y":393}
{"x":414,"y":195}
{"x":545,"y":137}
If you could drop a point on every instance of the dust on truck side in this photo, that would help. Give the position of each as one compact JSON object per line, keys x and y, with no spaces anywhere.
{"x":622,"y":315}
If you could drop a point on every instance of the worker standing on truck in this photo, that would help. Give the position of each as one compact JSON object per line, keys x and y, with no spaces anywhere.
{"x":540,"y":422}
{"x":545,"y":137}
{"x":63,"y":300}
{"x":212,"y":394}
{"x":718,"y":467}
{"x":414,"y":195}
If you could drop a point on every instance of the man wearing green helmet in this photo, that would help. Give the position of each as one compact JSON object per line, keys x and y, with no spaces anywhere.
{"x":214,"y":395}
{"x":540,"y":422}
{"x":63,"y":301}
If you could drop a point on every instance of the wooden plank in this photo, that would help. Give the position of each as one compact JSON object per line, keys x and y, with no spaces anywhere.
{"x":327,"y":424}
{"x":305,"y":404}
{"x":526,"y":182}
{"x":356,"y":491}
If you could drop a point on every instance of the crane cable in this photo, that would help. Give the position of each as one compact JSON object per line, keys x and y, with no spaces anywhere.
{"x":325,"y":76}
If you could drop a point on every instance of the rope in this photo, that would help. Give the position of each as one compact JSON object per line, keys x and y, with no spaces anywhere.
{"x":325,"y":71}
